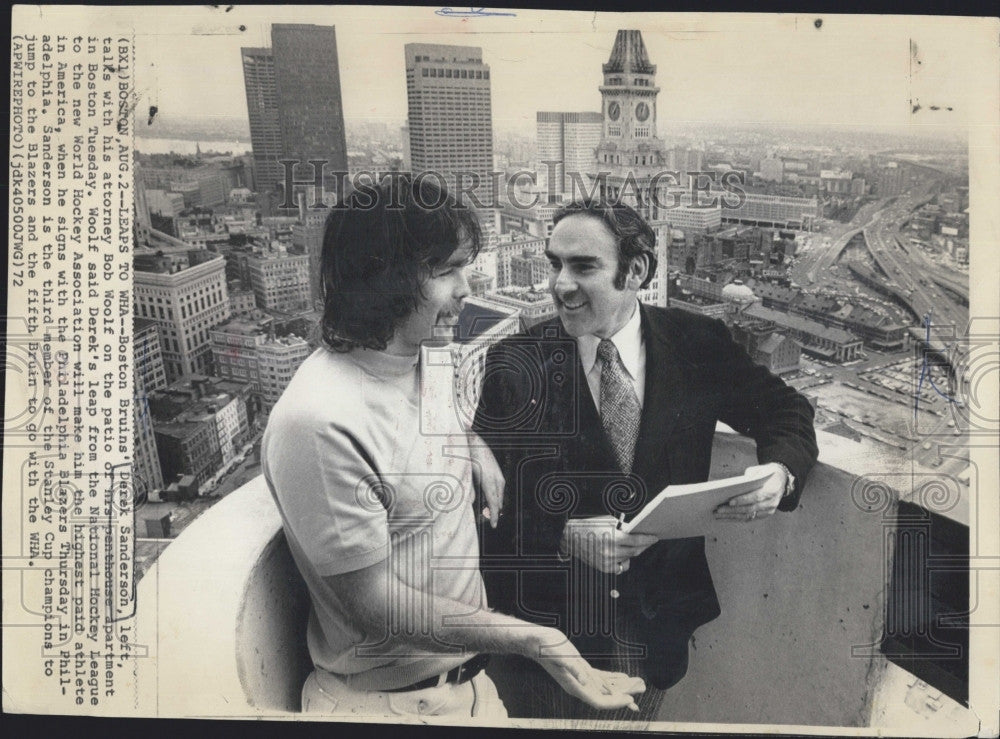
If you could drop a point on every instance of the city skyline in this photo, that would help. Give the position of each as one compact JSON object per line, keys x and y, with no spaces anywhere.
{"x":857,"y":73}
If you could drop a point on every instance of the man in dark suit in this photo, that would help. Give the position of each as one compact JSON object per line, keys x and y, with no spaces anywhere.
{"x":592,"y":414}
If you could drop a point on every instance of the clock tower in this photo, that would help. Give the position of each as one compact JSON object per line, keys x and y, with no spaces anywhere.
{"x":629,"y":92}
{"x":631,"y":162}
{"x":630,"y":155}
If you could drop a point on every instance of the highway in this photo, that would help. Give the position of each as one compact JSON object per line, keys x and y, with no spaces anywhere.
{"x":910,"y":273}
{"x":942,"y":275}
{"x":818,"y":262}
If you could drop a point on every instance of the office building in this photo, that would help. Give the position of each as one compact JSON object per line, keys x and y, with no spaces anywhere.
{"x":149,"y":376}
{"x":307,"y":238}
{"x":294,"y":104}
{"x":686,"y":214}
{"x":277,"y":361}
{"x":533,"y":221}
{"x":234,"y":348}
{"x":889,"y":180}
{"x":280,"y":281}
{"x":186,"y":294}
{"x":450,"y":115}
{"x":188,"y":447}
{"x":184,"y":410}
{"x":759,"y":209}
{"x":510,"y":247}
{"x":529,"y":268}
{"x":163,"y":203}
{"x":262,"y":110}
{"x":567,"y":143}
{"x":241,"y":300}
{"x":194,"y":184}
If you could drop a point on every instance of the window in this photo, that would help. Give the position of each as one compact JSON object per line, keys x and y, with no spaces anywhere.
{"x":423,"y":72}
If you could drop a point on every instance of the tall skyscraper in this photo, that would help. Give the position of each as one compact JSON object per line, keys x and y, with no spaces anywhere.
{"x":450,"y":115}
{"x":262,"y":109}
{"x":570,"y":141}
{"x":294,"y":103}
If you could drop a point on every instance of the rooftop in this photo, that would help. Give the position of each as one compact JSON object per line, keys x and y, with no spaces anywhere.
{"x":792,"y":321}
{"x":475,"y":320}
{"x":224,"y":649}
{"x":248,"y":325}
{"x":629,"y":54}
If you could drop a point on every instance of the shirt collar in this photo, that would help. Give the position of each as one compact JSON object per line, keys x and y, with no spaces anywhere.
{"x":628,"y":341}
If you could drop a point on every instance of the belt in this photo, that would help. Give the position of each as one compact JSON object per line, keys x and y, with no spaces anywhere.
{"x":461,"y":674}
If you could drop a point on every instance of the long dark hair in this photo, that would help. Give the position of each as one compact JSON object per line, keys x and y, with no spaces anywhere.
{"x":379,"y":247}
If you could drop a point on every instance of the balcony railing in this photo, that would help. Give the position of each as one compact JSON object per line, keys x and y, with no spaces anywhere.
{"x":803,"y":596}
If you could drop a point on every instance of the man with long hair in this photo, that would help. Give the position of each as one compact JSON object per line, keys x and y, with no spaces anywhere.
{"x":378,"y":513}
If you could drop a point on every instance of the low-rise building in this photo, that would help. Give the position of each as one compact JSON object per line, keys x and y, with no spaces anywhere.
{"x":533,"y":305}
{"x":766,"y":347}
{"x":277,"y":361}
{"x":188,"y":447}
{"x":815,"y":338}
{"x":280,"y":280}
{"x":529,"y":268}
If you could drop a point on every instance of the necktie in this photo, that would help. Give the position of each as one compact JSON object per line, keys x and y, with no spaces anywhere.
{"x":619,"y":404}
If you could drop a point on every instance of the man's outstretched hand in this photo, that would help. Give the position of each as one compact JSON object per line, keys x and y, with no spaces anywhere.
{"x":598,"y":688}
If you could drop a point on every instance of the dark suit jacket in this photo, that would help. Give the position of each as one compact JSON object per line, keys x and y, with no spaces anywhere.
{"x":537,"y":415}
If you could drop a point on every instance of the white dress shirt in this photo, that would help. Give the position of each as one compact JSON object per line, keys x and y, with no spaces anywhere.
{"x":631,"y":349}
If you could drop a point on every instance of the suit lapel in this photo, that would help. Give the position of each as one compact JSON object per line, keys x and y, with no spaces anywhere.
{"x":665,"y":399}
{"x":572,"y":404}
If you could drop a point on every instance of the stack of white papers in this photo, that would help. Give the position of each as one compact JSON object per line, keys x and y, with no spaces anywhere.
{"x":686,"y":510}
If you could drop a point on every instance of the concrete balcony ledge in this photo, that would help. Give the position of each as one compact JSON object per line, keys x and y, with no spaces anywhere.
{"x":223,"y":611}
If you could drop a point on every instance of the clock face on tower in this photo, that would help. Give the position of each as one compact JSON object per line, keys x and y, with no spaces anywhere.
{"x":642,"y":111}
{"x":614,"y":110}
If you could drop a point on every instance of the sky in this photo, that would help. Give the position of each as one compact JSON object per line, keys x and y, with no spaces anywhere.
{"x":847,"y":70}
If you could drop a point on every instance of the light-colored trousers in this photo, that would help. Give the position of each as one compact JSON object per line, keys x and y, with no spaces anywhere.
{"x":326,"y":693}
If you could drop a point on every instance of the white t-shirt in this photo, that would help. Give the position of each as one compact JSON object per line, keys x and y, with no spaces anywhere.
{"x":360,"y":478}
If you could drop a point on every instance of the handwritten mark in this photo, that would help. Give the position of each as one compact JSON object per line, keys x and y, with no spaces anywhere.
{"x":463,"y":12}
{"x":925,"y":373}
